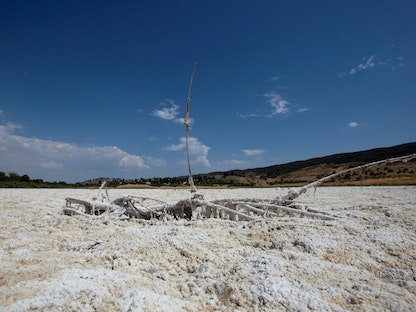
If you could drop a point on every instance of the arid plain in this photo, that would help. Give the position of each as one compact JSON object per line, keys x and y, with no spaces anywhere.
{"x":365,"y":260}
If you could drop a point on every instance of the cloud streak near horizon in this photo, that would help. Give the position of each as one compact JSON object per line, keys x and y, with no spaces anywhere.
{"x":38,"y":157}
{"x":253,"y":152}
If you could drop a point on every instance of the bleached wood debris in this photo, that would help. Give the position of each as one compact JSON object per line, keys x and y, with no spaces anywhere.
{"x":293,"y":194}
{"x":197,"y":207}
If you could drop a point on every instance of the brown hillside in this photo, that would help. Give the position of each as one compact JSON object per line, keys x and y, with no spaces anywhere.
{"x":302,"y":172}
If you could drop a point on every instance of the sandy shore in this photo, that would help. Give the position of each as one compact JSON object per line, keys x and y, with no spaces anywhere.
{"x":364,"y":261}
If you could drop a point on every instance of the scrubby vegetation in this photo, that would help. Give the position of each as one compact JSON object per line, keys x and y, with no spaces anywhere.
{"x":14,"y":180}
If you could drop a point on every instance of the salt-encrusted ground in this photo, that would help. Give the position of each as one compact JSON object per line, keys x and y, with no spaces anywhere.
{"x":365,"y":261}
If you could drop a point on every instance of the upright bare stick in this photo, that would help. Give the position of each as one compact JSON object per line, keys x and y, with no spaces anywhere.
{"x":188,"y":104}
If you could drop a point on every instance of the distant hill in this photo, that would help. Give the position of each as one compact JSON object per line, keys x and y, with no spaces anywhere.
{"x":299,"y":172}
{"x":296,"y":173}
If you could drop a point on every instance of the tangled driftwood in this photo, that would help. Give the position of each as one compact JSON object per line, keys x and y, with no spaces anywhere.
{"x":197,"y":207}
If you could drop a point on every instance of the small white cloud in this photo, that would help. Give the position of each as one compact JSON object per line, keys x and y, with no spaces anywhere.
{"x":393,"y":63}
{"x":279,"y":105}
{"x":248,"y":115}
{"x":198,"y":152}
{"x":302,"y":110}
{"x":153,"y":138}
{"x":167,"y":112}
{"x":253,"y":152}
{"x":353,"y":124}
{"x":170,"y":111}
{"x":369,"y":63}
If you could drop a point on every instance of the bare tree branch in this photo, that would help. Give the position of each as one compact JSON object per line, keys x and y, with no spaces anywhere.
{"x":188,"y":104}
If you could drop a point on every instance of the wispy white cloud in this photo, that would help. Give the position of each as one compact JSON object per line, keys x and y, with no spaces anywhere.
{"x":248,"y":115}
{"x":253,"y":152}
{"x":279,"y":105}
{"x":302,"y":110}
{"x":10,"y":127}
{"x":353,"y":124}
{"x":198,"y":151}
{"x":62,"y":161}
{"x":369,"y":63}
{"x":400,"y":62}
{"x":169,"y":110}
{"x":395,"y":62}
{"x":153,"y":138}
{"x":372,"y":61}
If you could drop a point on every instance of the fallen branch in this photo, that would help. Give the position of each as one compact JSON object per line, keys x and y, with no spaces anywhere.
{"x":93,"y":207}
{"x":291,"y":195}
{"x":251,"y":210}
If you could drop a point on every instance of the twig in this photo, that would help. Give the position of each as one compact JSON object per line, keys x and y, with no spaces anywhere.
{"x":188,"y":104}
{"x":296,"y":193}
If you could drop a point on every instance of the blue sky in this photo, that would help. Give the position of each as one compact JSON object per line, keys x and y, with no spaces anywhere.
{"x":98,"y":88}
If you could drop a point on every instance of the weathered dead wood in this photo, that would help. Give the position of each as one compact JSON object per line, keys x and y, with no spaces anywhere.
{"x":104,"y":197}
{"x":269,"y":209}
{"x":291,"y":195}
{"x":143,"y":211}
{"x":197,"y":208}
{"x":69,"y":211}
{"x":181,"y":210}
{"x":232,"y":214}
{"x":186,"y":122}
{"x":284,"y":210}
{"x":92,"y":206}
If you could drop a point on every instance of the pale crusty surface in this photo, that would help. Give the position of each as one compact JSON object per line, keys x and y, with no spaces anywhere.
{"x":363,"y":261}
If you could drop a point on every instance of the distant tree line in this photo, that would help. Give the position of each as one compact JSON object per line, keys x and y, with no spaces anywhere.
{"x":14,"y":180}
{"x":200,"y":180}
